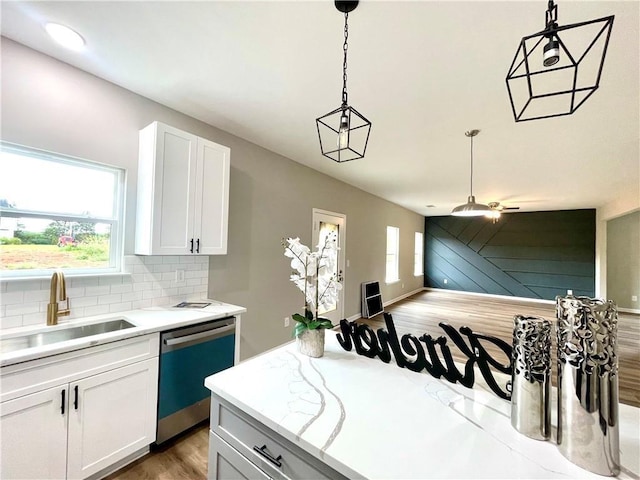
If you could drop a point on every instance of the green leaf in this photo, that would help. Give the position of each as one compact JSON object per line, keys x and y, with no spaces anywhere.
{"x":309,"y":314}
{"x":313,"y":324}
{"x":299,"y":318}
{"x":300,"y":327}
{"x":325,"y":323}
{"x":319,"y":323}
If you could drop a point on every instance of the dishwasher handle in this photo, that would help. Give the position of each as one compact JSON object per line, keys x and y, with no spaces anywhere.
{"x":206,"y":335}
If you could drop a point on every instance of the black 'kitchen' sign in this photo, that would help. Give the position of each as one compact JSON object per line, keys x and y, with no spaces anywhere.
{"x":410,"y":353}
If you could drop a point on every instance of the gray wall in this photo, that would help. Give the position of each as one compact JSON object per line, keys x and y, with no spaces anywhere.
{"x":623,"y":260}
{"x":49,"y":105}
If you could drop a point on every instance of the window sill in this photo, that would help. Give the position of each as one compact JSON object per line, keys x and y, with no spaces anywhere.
{"x":391,"y":282}
{"x":67,"y":276}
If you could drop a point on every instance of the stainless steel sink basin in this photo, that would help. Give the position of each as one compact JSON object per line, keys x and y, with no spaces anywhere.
{"x":62,"y":335}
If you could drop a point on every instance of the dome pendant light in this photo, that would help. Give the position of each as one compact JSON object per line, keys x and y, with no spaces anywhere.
{"x":471,"y":208}
{"x":344,"y":132}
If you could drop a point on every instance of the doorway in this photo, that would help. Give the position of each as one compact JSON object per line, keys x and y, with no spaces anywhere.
{"x":326,"y":223}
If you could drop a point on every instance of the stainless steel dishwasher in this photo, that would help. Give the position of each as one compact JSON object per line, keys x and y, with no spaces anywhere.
{"x":187,"y":356}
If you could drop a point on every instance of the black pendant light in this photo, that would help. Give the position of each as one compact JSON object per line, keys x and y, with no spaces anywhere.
{"x":554,"y":71}
{"x":344,"y":132}
{"x":471,"y":208}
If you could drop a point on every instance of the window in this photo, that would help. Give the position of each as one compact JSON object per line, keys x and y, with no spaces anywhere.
{"x":393,"y":243}
{"x":418,"y":264}
{"x":58,"y":212}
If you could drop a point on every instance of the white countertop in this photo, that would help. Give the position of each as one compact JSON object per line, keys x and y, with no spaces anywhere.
{"x":368,"y":419}
{"x":147,"y":320}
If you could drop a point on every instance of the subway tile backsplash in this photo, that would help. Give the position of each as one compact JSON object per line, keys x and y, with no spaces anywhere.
{"x":150,"y":281}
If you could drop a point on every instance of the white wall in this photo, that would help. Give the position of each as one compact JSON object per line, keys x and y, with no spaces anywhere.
{"x":49,"y":105}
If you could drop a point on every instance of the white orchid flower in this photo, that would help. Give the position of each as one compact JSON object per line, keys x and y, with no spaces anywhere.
{"x":314,"y":272}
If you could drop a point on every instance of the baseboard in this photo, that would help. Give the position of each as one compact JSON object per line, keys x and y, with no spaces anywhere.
{"x":509,"y":297}
{"x":629,"y":310}
{"x":402,"y":297}
{"x":491,"y":295}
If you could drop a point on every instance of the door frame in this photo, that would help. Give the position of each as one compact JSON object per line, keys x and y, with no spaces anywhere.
{"x":342,"y":242}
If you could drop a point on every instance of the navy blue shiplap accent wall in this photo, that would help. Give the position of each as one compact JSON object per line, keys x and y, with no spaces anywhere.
{"x":532,"y":255}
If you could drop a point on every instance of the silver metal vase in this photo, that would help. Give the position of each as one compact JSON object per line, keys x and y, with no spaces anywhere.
{"x":588,"y":429}
{"x":531,"y":377}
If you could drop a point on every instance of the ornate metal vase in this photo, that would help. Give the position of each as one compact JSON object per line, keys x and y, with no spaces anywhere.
{"x":531,"y":377}
{"x":311,"y":342}
{"x":588,"y":430}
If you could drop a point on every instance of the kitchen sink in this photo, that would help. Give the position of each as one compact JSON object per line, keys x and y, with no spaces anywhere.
{"x":54,"y":336}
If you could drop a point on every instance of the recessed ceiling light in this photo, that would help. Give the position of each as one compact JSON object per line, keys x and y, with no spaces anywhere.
{"x":65,"y":36}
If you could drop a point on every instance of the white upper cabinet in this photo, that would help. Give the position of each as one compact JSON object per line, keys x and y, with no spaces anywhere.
{"x":183,"y":193}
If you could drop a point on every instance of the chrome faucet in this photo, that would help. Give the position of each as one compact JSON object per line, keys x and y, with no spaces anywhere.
{"x":58,"y":293}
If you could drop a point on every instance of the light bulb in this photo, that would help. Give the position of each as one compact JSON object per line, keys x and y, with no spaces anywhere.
{"x":343,"y":132}
{"x":65,"y":36}
{"x":551,"y":53}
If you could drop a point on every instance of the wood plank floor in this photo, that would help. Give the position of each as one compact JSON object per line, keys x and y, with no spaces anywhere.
{"x":182,"y":458}
{"x":186,"y":457}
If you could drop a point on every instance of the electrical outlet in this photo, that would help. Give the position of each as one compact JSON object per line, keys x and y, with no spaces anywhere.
{"x":403,"y":285}
{"x":569,"y":292}
{"x":286,"y":321}
{"x":179,"y":276}
{"x":634,"y":298}
{"x":446,"y":281}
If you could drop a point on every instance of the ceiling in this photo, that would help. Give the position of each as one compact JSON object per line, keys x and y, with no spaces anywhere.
{"x":423,"y":72}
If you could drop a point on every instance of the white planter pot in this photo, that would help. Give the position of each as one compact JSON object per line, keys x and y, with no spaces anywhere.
{"x":311,"y":342}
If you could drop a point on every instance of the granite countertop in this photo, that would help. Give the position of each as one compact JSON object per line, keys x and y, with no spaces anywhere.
{"x":147,"y":320}
{"x":368,"y":419}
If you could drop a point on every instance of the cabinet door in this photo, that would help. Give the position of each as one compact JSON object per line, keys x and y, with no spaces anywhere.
{"x":166,"y":190}
{"x":226,"y":463}
{"x":111,"y":415}
{"x":212,"y":198}
{"x":34,"y":435}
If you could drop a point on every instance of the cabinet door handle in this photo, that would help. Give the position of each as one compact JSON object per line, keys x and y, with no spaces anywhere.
{"x":75,"y":398}
{"x":198,"y":246}
{"x":64,"y":391}
{"x":191,"y":246}
{"x":263,"y":451}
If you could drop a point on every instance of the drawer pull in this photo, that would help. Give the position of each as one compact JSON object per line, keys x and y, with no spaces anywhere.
{"x":263,"y":451}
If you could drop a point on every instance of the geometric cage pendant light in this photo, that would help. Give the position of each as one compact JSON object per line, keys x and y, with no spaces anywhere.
{"x":556,"y":70}
{"x":344,"y":132}
{"x":471,"y":208}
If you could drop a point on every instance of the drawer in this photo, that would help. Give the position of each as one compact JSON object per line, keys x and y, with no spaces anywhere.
{"x":226,"y":463}
{"x":277,"y":456}
{"x":36,"y":375}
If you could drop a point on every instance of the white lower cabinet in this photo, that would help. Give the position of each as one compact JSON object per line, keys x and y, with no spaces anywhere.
{"x":34,"y":435}
{"x":114,"y":416}
{"x":76,"y":429}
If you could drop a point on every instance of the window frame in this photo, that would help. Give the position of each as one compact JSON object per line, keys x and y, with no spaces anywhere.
{"x":395,"y":254}
{"x":418,"y":255}
{"x":116,"y":221}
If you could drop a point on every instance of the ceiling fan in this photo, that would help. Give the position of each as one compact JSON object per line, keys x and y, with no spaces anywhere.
{"x":497,"y":209}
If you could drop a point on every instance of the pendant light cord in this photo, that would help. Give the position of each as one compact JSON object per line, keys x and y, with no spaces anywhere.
{"x":471,"y":137}
{"x":345,"y":46}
